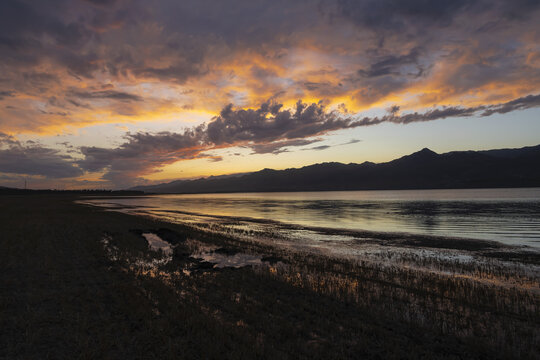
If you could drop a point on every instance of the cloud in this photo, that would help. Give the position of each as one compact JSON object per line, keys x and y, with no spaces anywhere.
{"x":403,"y":18}
{"x":34,"y":159}
{"x":522,"y":103}
{"x":6,"y":139}
{"x":78,"y":63}
{"x":179,"y":73}
{"x":392,"y":64}
{"x":143,"y":153}
{"x":464,"y":51}
{"x":5,"y":94}
{"x":319,"y":148}
{"x":363,"y":53}
{"x":325,"y":147}
{"x":106,"y":94}
{"x":396,"y":15}
{"x":267,"y":129}
{"x":101,"y":2}
{"x":269,"y":123}
{"x":279,"y":147}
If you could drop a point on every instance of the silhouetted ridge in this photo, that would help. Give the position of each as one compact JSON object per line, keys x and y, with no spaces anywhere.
{"x":424,"y":169}
{"x":425,"y":152}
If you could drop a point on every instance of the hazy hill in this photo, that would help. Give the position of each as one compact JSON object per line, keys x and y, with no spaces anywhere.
{"x":424,"y":169}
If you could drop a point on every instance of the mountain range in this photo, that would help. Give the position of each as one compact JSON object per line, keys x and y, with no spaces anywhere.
{"x":424,"y":169}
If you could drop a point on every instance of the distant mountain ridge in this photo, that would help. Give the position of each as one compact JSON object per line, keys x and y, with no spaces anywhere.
{"x":424,"y":169}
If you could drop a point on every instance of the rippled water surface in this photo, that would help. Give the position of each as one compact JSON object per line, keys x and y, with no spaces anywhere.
{"x":511,"y":216}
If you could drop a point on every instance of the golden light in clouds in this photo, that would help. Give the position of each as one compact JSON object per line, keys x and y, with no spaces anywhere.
{"x":98,"y":73}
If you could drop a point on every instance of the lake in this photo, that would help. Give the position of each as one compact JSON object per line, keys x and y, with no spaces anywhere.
{"x":510,"y":216}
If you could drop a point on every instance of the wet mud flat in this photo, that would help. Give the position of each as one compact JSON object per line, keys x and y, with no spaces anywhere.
{"x":82,"y":281}
{"x":343,"y":242}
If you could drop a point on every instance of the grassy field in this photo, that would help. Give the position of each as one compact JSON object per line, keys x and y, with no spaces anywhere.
{"x":65,"y":293}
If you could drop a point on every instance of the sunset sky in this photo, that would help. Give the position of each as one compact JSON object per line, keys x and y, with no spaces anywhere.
{"x":116,"y":93}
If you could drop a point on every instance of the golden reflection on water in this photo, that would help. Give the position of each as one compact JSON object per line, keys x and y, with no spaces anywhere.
{"x":508,"y":215}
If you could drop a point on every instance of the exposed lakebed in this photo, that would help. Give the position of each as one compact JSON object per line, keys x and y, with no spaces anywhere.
{"x":259,"y":239}
{"x":459,"y":286}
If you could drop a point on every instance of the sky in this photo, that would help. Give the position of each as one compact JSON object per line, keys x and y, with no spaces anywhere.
{"x":117,"y":93}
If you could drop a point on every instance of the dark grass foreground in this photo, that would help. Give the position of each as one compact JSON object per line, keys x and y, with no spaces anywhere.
{"x":62,"y":296}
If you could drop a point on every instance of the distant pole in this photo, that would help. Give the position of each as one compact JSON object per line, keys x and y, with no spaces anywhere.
{"x":24,"y":183}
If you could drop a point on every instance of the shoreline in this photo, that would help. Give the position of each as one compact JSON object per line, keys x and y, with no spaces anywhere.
{"x":293,"y":305}
{"x":235,"y":226}
{"x":426,"y":217}
{"x":437,"y":254}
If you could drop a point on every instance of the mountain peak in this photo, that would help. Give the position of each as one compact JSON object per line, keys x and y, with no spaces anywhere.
{"x":423,"y":154}
{"x":426,"y":151}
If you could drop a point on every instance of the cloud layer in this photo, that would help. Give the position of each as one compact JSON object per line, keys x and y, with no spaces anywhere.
{"x":85,"y":62}
{"x":68,"y":64}
{"x":267,"y":129}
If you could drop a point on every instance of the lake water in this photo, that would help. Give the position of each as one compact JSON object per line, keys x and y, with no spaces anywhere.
{"x":511,"y":216}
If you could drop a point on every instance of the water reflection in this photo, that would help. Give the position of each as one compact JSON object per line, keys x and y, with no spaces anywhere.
{"x":507,"y":215}
{"x":155,"y":243}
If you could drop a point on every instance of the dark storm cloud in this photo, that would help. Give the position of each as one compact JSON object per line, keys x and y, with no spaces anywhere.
{"x":34,"y":159}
